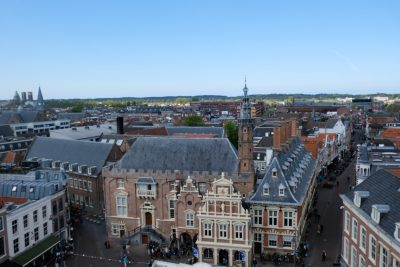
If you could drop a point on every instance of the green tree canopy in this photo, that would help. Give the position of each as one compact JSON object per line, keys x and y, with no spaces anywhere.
{"x":193,"y":120}
{"x":231,"y":130}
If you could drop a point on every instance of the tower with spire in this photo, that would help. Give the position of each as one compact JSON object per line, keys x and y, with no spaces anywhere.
{"x":245,"y":142}
{"x":40,"y":101}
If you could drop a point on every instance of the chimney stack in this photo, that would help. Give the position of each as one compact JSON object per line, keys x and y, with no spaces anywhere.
{"x":120,"y":125}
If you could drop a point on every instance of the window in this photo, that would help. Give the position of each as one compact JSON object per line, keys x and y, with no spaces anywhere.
{"x":274,"y":172}
{"x":238,"y":231}
{"x":372,"y":248}
{"x":76,"y":183}
{"x":287,"y":241}
{"x":207,"y":229}
{"x":54,"y":208}
{"x":35,"y":216}
{"x":44,"y":212}
{"x":202,"y":188}
{"x":117,"y":228}
{"x":258,"y":216}
{"x":36,"y":233}
{"x":346,"y":249}
{"x":208,"y":253}
{"x":16,"y":245}
{"x":363,"y":238}
{"x":120,"y":183}
{"x":272,"y":217}
{"x":272,"y":240}
{"x":353,"y":257}
{"x":122,"y":208}
{"x":258,"y":237}
{"x":55,"y":222}
{"x":347,"y":222}
{"x":281,"y":192}
{"x":266,"y":190}
{"x":354,"y":235}
{"x":223,"y":230}
{"x":14,"y":227}
{"x":361,"y":262}
{"x":26,"y":237}
{"x":375,"y":214}
{"x":396,"y":263}
{"x":90,"y":186}
{"x":288,"y":218}
{"x":25,"y":220}
{"x":2,"y":246}
{"x":60,"y":204}
{"x":189,"y":219}
{"x":45,"y":230}
{"x":384,"y":260}
{"x":1,"y":224}
{"x":171,"y":207}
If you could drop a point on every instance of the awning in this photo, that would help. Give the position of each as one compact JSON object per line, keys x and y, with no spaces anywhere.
{"x":36,"y":250}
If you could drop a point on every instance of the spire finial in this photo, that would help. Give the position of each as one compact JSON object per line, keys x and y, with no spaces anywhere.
{"x":245,"y":81}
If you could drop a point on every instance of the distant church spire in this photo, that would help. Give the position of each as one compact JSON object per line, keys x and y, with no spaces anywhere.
{"x":40,"y":101}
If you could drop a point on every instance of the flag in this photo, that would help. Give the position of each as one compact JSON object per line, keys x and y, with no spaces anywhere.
{"x":195,"y":252}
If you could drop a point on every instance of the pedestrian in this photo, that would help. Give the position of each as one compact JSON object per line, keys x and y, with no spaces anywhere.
{"x":337,"y":183}
{"x":254,"y":262}
{"x":321,"y":228}
{"x":323,"y":255}
{"x":105,"y":244}
{"x":348,"y":179}
{"x":108,"y":244}
{"x":318,"y":229}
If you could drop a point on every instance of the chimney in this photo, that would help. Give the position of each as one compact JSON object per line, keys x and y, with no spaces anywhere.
{"x":293,"y":127}
{"x":277,"y":138}
{"x":120,"y":125}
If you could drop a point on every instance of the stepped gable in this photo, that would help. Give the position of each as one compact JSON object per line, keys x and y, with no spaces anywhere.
{"x":185,"y":154}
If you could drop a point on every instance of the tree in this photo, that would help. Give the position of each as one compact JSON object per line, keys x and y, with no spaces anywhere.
{"x":193,"y":120}
{"x":231,"y":130}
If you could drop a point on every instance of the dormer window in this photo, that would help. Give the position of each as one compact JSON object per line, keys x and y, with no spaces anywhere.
{"x":397,"y":231}
{"x":377,"y":210}
{"x":281,"y":190}
{"x":14,"y":188}
{"x":274,"y":172}
{"x":266,"y":189}
{"x":120,"y":183}
{"x":358,"y":196}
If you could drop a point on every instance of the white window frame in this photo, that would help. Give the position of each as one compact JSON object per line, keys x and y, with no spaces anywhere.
{"x":189,"y":219}
{"x":116,"y":228}
{"x":354,"y":233}
{"x":384,"y":258}
{"x":258,"y":216}
{"x":346,"y":248}
{"x":354,"y":259}
{"x":238,"y":231}
{"x":223,"y":231}
{"x":361,"y":261}
{"x":258,"y":237}
{"x":288,"y":218}
{"x":281,"y":192}
{"x":272,"y":238}
{"x":372,"y":249}
{"x":347,"y":222}
{"x":273,"y":218}
{"x":363,"y":238}
{"x":207,"y":229}
{"x":121,"y":203}
{"x":171,"y":208}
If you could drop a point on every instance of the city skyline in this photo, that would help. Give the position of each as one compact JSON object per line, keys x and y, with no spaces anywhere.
{"x":102,"y":50}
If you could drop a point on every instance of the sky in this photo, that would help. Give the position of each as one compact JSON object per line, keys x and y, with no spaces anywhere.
{"x":93,"y":49}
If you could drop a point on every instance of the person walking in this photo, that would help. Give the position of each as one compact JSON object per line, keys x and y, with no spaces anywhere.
{"x":254,"y":262}
{"x":323,"y":255}
{"x":321,"y":227}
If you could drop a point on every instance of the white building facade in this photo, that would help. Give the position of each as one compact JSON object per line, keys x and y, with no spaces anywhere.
{"x":224,"y":227}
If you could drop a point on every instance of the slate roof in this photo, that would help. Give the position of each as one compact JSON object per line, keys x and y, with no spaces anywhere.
{"x":185,"y":154}
{"x":22,"y":116}
{"x":294,"y":168}
{"x":33,"y":190}
{"x":266,"y":141}
{"x":218,"y":131}
{"x":383,"y":187}
{"x":85,"y":132}
{"x":6,"y":131}
{"x":260,"y":131}
{"x":72,"y":151}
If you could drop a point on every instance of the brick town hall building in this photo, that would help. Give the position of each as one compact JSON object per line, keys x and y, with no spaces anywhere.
{"x":156,"y":190}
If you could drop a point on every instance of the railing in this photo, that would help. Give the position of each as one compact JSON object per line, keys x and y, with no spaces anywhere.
{"x":146,"y":193}
{"x":146,"y":229}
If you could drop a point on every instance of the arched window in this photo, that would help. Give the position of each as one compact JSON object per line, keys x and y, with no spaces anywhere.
{"x":208,"y":253}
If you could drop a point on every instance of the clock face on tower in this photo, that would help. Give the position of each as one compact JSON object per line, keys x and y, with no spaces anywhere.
{"x":222,"y":190}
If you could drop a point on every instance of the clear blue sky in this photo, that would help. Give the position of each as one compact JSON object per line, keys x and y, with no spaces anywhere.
{"x":155,"y":48}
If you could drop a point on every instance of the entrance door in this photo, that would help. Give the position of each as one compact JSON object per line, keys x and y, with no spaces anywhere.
{"x":121,"y":233}
{"x":257,"y":248}
{"x":145,"y":239}
{"x":223,"y":257}
{"x":148,"y":218}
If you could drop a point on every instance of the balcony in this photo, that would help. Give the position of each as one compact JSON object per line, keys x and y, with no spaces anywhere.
{"x":144,"y":193}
